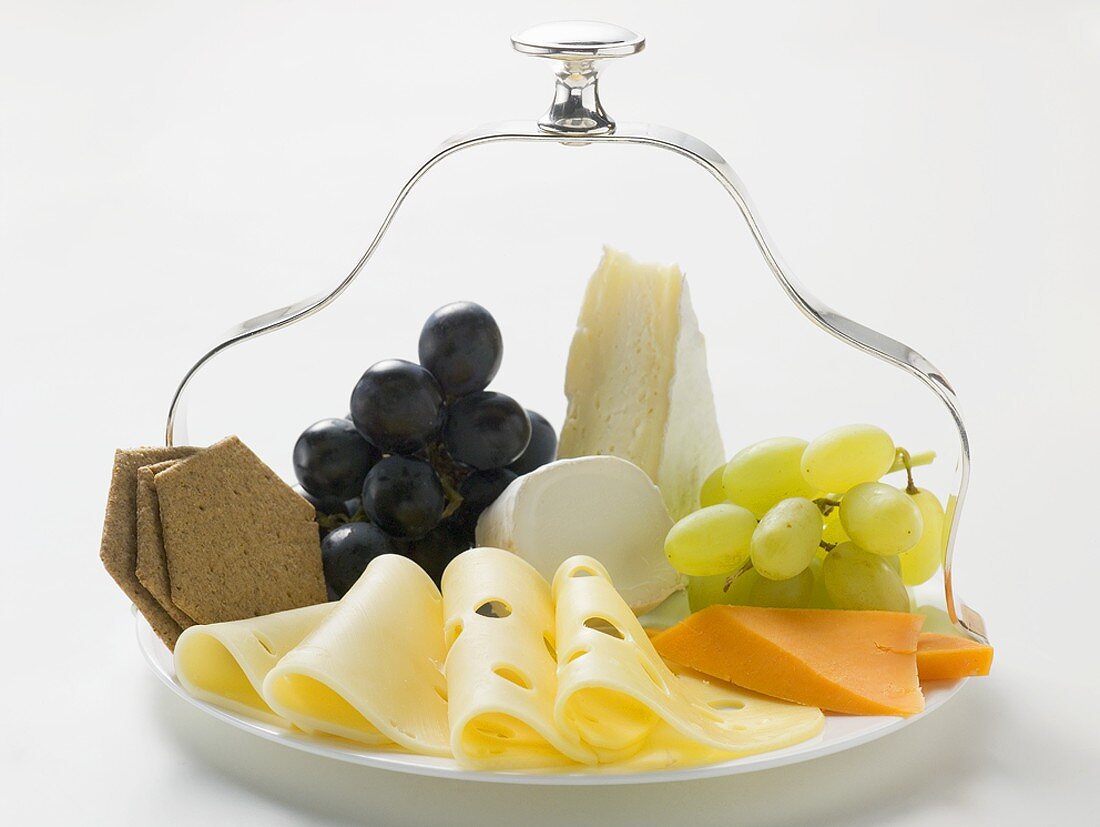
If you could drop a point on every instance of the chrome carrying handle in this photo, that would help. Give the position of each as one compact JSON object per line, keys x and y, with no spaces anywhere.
{"x":576,"y":117}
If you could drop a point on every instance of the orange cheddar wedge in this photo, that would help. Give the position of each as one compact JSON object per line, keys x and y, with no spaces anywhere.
{"x":948,"y":657}
{"x":862,"y":663}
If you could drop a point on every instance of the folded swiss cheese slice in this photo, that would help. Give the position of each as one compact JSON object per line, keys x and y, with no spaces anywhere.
{"x":617,"y":696}
{"x":225,"y":663}
{"x":499,"y":623}
{"x":373,"y":670}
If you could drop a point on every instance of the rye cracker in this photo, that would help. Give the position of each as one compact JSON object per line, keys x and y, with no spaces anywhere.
{"x":118,"y":548}
{"x":152,"y":566}
{"x":238,"y":540}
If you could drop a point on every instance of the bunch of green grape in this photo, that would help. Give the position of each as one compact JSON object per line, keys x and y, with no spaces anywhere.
{"x":791,"y":523}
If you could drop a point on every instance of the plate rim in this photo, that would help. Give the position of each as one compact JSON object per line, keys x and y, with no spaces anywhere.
{"x":394,"y":761}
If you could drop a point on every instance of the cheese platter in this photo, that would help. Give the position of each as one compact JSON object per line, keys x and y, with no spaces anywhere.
{"x":454,"y":586}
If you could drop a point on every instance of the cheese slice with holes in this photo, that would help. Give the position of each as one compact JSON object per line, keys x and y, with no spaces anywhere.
{"x":500,"y":668}
{"x":667,"y":748}
{"x":616,"y":695}
{"x":637,"y":379}
{"x":225,"y":663}
{"x":373,"y":670}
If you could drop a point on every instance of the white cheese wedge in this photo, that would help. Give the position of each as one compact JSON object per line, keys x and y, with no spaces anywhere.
{"x":372,"y":671}
{"x":601,"y":506}
{"x":637,"y":380}
{"x":225,"y":663}
{"x":501,"y":683}
{"x":617,"y":696}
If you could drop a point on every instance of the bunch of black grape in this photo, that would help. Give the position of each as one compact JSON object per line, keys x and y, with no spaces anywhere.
{"x":423,"y":452}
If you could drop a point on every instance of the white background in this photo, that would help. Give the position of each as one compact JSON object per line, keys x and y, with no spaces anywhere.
{"x":168,"y":169}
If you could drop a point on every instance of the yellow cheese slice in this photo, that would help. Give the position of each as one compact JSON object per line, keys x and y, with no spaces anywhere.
{"x":667,"y":748}
{"x":615,"y":692}
{"x":373,"y":670}
{"x":499,"y":624}
{"x":225,"y":663}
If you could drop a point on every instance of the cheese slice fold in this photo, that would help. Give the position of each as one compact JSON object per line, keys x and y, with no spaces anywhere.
{"x":225,"y":663}
{"x":373,"y":670}
{"x":501,"y":683}
{"x":617,"y":696}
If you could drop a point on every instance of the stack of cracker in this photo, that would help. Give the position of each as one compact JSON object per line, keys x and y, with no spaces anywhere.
{"x":207,"y":535}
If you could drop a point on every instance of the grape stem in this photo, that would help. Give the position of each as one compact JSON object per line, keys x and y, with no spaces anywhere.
{"x":729,"y":580}
{"x":906,"y":460}
{"x":331,"y":521}
{"x":825,"y":544}
{"x":826,"y":504}
{"x":450,"y":477}
{"x":922,"y":458}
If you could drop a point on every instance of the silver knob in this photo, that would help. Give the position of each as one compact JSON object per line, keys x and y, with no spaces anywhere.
{"x":577,"y":45}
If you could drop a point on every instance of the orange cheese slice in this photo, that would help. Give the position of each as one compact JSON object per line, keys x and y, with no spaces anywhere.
{"x":862,"y":663}
{"x":948,"y":657}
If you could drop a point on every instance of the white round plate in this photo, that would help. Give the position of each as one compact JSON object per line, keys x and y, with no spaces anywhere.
{"x":841,"y":732}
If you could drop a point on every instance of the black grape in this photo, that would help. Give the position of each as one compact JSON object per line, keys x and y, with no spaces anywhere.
{"x":439,"y":547}
{"x":404,"y":497}
{"x":461,"y":345}
{"x":331,"y":459}
{"x":324,"y":506}
{"x":542,"y":448}
{"x":486,"y":430}
{"x":346,"y":551}
{"x":480,"y":489}
{"x":397,"y":406}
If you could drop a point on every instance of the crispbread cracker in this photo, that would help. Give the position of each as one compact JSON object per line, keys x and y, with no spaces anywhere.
{"x":238,"y":540}
{"x":118,"y":549}
{"x":152,"y":567}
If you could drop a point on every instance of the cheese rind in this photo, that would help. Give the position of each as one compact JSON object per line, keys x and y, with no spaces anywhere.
{"x":500,"y":668}
{"x":604,"y":507}
{"x":858,"y":662}
{"x":225,"y":663}
{"x":617,"y":695}
{"x":637,"y":380}
{"x":373,"y":670}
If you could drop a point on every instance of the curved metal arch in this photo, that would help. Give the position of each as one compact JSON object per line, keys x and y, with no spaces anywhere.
{"x":857,"y":335}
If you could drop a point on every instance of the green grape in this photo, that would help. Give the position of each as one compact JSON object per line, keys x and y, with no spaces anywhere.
{"x":708,"y":591}
{"x":712,"y":491}
{"x":792,"y":593}
{"x":937,"y":620}
{"x":712,"y":540}
{"x":844,"y":457}
{"x":765,"y":473}
{"x":819,"y":597}
{"x":857,"y":579}
{"x":923,"y":560}
{"x":704,"y":591}
{"x":787,"y":539}
{"x":834,"y":532}
{"x":881,"y":519}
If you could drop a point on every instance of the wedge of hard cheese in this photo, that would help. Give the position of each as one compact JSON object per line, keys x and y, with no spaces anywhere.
{"x":862,"y":663}
{"x":949,"y":657}
{"x":637,"y":379}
